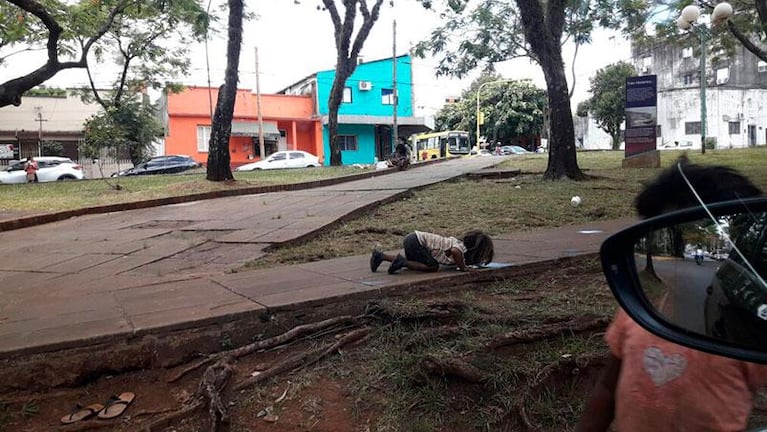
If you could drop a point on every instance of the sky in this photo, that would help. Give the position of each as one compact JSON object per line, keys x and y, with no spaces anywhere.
{"x":295,"y":39}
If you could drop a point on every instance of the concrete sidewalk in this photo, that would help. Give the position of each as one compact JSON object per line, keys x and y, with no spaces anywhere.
{"x":113,"y":277}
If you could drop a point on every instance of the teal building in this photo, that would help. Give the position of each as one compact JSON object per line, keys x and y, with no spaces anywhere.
{"x":366,"y":114}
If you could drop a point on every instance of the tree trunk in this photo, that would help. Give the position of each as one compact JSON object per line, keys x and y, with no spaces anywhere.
{"x":219,"y":168}
{"x":543,"y":24}
{"x":344,"y":69}
{"x":334,"y":103}
{"x":562,"y":158}
{"x":616,"y":136}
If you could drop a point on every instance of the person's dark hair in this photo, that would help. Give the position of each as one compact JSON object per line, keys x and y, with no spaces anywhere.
{"x":669,"y":191}
{"x":479,"y":248}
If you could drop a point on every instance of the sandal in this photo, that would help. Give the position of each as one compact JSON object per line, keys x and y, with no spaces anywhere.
{"x":116,"y":405}
{"x":81,"y":413}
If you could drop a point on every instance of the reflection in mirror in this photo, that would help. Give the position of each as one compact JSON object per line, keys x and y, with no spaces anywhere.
{"x":708,"y":276}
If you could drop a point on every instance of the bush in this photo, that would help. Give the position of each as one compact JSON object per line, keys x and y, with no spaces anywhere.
{"x":711,"y":143}
{"x":52,"y":148}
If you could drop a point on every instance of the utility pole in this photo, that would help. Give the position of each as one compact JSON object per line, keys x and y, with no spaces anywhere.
{"x":260,"y":118}
{"x":40,"y":120}
{"x":703,"y":33}
{"x":395,"y":99}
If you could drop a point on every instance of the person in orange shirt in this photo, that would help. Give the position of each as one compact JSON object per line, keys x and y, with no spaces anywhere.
{"x":651,"y":384}
{"x":31,"y":167}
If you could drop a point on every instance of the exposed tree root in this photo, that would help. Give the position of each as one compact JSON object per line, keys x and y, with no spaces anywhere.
{"x":453,"y":367}
{"x":548,"y":331}
{"x":440,"y":311}
{"x":522,"y":413}
{"x":303,"y":359}
{"x":570,"y":365}
{"x":213,"y":382}
{"x":268,"y":343}
{"x":166,"y":421}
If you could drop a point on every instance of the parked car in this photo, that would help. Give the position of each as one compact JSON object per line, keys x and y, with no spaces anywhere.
{"x":161,"y":165}
{"x":50,"y":168}
{"x":510,"y":150}
{"x":283,"y":159}
{"x":484,"y":152}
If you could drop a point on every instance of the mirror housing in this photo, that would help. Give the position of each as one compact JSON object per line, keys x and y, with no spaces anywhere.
{"x":718,"y":304}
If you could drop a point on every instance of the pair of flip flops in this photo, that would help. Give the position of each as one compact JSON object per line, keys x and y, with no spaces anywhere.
{"x":114,"y":407}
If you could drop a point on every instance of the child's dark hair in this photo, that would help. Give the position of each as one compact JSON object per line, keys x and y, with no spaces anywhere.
{"x":479,"y":248}
{"x":669,"y":191}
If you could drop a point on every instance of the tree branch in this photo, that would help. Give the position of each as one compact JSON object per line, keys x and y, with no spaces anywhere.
{"x":11,"y":91}
{"x":555,"y":18}
{"x":331,"y":7}
{"x":531,"y":15}
{"x":747,"y":43}
{"x":369,"y":19}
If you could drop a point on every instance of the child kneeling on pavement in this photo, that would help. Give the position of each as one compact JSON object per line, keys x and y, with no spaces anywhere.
{"x":425,"y":251}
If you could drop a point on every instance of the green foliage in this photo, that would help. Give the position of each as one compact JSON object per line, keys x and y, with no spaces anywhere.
{"x":147,"y":41}
{"x":47,"y":92}
{"x":656,"y":23}
{"x":511,"y":109}
{"x":583,"y":108}
{"x":608,"y":101}
{"x":30,"y":409}
{"x":492,"y":31}
{"x":52,"y":148}
{"x":130,"y":127}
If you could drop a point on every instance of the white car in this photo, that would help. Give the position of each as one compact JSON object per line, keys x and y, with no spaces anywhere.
{"x":50,"y":168}
{"x":283,"y":159}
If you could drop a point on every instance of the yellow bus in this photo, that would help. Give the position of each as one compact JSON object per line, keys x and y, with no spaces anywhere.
{"x":435,"y":145}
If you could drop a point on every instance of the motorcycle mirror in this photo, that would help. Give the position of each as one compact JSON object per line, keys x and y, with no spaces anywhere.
{"x":716,"y":304}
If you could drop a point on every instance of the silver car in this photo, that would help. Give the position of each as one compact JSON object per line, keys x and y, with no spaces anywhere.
{"x":50,"y":168}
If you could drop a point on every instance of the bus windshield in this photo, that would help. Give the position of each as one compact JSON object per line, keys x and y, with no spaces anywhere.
{"x":458,"y":144}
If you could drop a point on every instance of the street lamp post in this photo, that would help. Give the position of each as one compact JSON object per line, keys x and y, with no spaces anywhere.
{"x":479,"y":89}
{"x":688,"y":19}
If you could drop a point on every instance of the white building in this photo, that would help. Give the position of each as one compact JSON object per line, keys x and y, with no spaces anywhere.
{"x":736,"y":96}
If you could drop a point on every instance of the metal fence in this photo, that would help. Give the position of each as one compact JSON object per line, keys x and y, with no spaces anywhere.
{"x":103,"y":167}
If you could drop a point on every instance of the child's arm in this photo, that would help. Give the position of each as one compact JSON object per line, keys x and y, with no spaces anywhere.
{"x":600,"y":409}
{"x":457,"y":256}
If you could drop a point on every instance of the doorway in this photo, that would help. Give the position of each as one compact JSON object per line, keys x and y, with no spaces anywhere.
{"x":751,"y":135}
{"x":383,"y":142}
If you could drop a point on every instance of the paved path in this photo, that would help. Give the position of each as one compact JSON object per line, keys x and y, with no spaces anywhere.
{"x":91,"y":278}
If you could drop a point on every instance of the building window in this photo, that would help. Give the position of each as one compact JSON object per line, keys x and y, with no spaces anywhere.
{"x":735,"y":128}
{"x":689,"y":79}
{"x":203,"y":138}
{"x":722,"y":75}
{"x":387,"y":96}
{"x":761,"y":66}
{"x":692,"y":128}
{"x":687,"y":52}
{"x":645,"y":64}
{"x":347,"y":98}
{"x":347,"y":142}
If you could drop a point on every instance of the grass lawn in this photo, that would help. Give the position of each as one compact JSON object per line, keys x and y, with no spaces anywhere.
{"x":49,"y":197}
{"x":508,"y":205}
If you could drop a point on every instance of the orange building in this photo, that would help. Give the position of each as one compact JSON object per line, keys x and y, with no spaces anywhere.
{"x":289,"y":123}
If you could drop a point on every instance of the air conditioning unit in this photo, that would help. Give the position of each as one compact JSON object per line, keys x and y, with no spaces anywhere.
{"x":365,"y":85}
